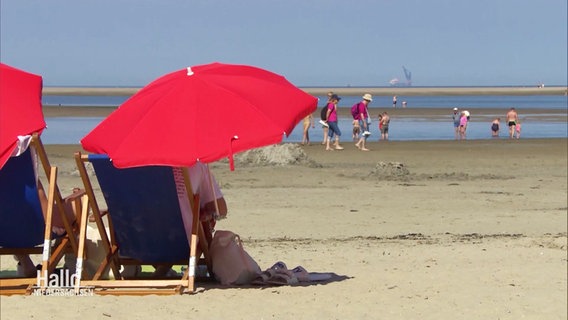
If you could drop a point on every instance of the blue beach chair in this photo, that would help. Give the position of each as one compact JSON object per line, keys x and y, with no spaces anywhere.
{"x":20,"y":204}
{"x":145,"y":226}
{"x":24,"y":227}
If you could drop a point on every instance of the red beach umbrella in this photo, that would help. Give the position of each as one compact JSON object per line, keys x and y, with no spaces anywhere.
{"x":20,"y":108}
{"x":201,"y":113}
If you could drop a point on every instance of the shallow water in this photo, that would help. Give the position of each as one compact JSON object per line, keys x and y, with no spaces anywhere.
{"x":70,"y":130}
{"x":477,"y":101}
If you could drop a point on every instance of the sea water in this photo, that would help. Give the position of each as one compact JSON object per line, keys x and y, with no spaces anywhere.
{"x":70,"y":130}
{"x":381,"y":102}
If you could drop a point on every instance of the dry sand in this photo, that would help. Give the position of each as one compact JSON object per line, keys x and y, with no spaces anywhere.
{"x":421,"y":230}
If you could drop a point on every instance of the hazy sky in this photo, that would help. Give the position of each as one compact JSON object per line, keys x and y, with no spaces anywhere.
{"x":348,"y":42}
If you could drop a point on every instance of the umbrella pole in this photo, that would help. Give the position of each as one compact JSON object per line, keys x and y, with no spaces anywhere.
{"x":194,"y":204}
{"x":216,"y":215}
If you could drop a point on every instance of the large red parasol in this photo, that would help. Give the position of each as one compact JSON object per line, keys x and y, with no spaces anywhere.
{"x":20,"y":108}
{"x":204,"y":113}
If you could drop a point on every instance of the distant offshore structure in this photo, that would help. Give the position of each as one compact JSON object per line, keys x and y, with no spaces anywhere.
{"x":407,"y":74}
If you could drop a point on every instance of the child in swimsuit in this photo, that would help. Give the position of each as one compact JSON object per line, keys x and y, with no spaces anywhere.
{"x":356,"y":129}
{"x":495,"y":127}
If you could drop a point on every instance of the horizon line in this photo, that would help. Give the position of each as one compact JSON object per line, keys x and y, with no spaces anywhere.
{"x":346,"y":91}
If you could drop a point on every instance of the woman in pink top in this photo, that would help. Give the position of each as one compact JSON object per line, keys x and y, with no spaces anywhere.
{"x":332,"y":122}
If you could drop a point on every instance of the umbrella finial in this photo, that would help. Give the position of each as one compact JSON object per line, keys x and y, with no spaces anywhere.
{"x":189,"y":71}
{"x":231,"y":159}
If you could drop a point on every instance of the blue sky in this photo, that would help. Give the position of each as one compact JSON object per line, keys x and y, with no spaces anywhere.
{"x":312,"y":43}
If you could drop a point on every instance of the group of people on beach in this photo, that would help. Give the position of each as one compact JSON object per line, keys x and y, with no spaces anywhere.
{"x":329,"y":122}
{"x":362,"y":120}
{"x":395,"y":100}
{"x":361,"y":123}
{"x":513,"y":123}
{"x":461,"y":119}
{"x":383,"y":121}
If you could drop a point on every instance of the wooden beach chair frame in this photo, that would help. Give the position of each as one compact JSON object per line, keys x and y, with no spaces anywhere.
{"x":113,"y":261}
{"x":65,"y":244}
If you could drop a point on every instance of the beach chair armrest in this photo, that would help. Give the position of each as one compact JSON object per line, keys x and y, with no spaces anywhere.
{"x":76,"y":195}
{"x":74,"y":202}
{"x":104,"y":212}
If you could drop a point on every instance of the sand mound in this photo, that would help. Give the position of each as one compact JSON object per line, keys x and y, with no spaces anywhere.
{"x":279,"y":155}
{"x":390,"y":171}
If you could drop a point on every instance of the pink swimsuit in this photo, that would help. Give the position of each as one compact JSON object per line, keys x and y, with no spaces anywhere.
{"x":463,"y":121}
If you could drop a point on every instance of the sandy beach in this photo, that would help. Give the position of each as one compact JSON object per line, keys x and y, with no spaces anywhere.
{"x":419,"y":230}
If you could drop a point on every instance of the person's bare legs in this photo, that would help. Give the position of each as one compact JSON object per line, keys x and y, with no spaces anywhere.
{"x":361,"y":144}
{"x":26,"y":267}
{"x":327,"y":147}
{"x":325,"y":137}
{"x":305,"y":139}
{"x":363,"y":147}
{"x":336,"y":144}
{"x":164,"y":271}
